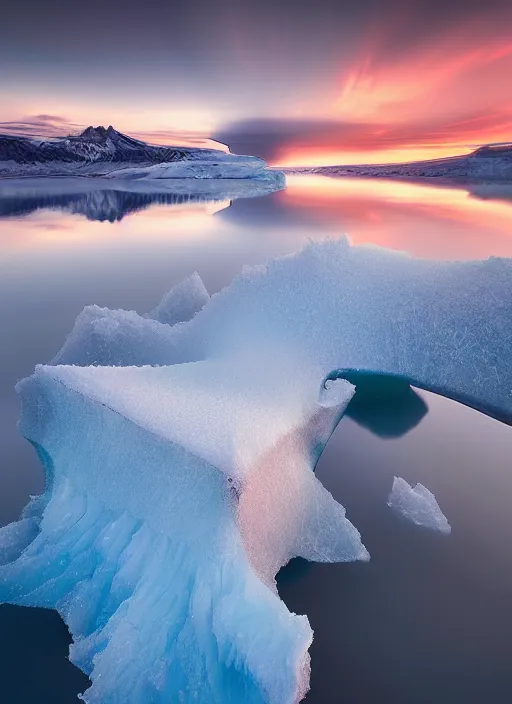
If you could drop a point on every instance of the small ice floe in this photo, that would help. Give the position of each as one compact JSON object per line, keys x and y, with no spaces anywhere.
{"x":418,"y":505}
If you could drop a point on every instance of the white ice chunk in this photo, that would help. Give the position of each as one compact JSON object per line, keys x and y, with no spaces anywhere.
{"x":180,"y":472}
{"x":439,"y":325}
{"x":182,"y":302}
{"x":226,"y":166}
{"x":418,"y":505}
{"x":118,"y":338}
{"x":172,"y":534}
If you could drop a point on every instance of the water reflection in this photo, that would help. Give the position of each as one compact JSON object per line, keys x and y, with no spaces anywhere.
{"x":424,"y":610}
{"x":104,"y":206}
{"x":428,"y":618}
{"x":492,"y":191}
{"x":110,"y":200}
{"x":434,"y":221}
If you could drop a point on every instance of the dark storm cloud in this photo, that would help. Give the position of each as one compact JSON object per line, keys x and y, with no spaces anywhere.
{"x":271,"y":139}
{"x":264,"y":138}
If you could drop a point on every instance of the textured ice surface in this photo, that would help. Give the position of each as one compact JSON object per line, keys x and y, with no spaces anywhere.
{"x":179,"y":465}
{"x":418,"y":505}
{"x":226,"y":166}
{"x":444,"y":326}
{"x":182,"y":302}
{"x":119,"y":337}
{"x":174,"y":496}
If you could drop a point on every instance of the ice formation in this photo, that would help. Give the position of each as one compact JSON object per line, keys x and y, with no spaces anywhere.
{"x":175,"y":494}
{"x":182,"y":302}
{"x":179,"y":449}
{"x":443,"y":326}
{"x":225,"y":166}
{"x":418,"y":505}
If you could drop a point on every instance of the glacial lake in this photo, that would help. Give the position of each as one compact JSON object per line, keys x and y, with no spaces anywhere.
{"x":428,"y":619}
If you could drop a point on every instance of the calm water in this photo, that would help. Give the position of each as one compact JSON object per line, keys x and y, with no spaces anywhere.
{"x":428,"y":619}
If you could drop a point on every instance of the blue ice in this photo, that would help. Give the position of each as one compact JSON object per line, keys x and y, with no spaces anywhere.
{"x":179,"y":449}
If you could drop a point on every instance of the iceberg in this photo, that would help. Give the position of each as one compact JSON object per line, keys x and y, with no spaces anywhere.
{"x":418,"y":505}
{"x":179,"y":448}
{"x":182,"y":302}
{"x":160,"y":548}
{"x":344,"y":311}
{"x":225,"y":166}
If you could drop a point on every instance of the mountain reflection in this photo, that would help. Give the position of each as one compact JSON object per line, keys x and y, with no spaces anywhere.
{"x":108,"y":200}
{"x":103,"y":206}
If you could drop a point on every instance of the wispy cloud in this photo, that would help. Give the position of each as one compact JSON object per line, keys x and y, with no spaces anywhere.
{"x":40,"y":126}
{"x":173,"y":138}
{"x":443,"y":95}
{"x":45,"y":125}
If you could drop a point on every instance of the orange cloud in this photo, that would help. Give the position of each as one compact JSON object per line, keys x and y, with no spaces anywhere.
{"x":443,"y":71}
{"x":436,"y":100}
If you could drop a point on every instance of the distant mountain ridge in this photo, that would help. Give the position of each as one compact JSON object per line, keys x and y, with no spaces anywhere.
{"x":94,"y":146}
{"x":487,"y":163}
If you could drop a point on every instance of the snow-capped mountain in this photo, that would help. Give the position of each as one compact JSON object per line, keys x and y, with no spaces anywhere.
{"x":100,"y":151}
{"x":94,"y":145}
{"x":488,"y":163}
{"x":105,"y":152}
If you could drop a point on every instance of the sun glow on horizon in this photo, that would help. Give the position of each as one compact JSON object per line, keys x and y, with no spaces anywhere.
{"x":309,"y":156}
{"x":443,"y":98}
{"x":379,"y":103}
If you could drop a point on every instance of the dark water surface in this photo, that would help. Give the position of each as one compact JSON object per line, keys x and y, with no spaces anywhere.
{"x":428,"y":620}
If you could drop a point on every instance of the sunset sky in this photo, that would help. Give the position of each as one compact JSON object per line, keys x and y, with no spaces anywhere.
{"x":294,"y":81}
